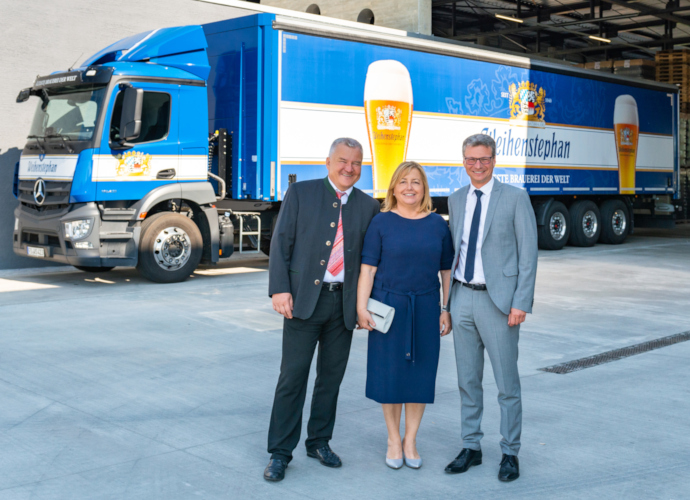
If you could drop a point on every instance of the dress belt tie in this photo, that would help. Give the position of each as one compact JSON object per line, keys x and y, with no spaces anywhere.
{"x":409,"y":333}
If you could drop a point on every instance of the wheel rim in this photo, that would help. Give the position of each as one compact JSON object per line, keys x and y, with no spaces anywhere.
{"x":618,"y":222}
{"x":172,"y":248}
{"x":589,"y":224}
{"x":557,"y":226}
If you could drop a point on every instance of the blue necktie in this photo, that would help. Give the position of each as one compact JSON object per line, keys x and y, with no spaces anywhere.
{"x":474,"y":232}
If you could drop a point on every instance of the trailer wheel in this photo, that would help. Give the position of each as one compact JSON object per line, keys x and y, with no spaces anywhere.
{"x":614,"y":222}
{"x":553,"y":235}
{"x":90,"y":269}
{"x":585,"y":221}
{"x":170,"y":248}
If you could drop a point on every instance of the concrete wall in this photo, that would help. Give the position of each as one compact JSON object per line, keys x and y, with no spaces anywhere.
{"x":43,"y":36}
{"x":408,"y":15}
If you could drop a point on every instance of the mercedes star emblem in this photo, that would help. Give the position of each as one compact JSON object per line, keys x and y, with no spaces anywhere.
{"x":40,"y":192}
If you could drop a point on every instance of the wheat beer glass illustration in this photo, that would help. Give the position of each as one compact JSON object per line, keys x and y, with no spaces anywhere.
{"x":388,"y":111}
{"x":626,"y":127}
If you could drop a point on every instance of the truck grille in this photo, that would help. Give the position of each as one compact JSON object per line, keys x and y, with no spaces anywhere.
{"x":57,"y":196}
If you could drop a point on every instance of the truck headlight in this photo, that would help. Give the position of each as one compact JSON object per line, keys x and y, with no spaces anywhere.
{"x":77,"y":229}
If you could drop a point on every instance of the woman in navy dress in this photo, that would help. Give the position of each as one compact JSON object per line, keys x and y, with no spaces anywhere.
{"x":405,"y":248}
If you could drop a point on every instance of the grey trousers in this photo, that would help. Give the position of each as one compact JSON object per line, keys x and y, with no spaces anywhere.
{"x":479,"y":324}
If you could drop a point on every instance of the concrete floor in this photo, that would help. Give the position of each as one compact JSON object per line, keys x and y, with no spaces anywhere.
{"x":112,"y":387}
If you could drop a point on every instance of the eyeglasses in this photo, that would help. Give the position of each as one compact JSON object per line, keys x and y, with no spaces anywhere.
{"x":473,"y":161}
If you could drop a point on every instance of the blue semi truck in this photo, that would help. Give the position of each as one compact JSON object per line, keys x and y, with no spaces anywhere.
{"x":168,"y":147}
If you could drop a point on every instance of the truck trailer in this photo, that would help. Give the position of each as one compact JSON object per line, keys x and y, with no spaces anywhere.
{"x":175,"y":146}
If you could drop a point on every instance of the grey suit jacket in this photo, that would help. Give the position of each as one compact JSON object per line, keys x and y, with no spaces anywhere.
{"x":302,"y":242}
{"x":509,"y":248}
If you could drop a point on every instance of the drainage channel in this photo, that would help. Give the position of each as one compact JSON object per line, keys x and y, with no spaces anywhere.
{"x":616,"y":354}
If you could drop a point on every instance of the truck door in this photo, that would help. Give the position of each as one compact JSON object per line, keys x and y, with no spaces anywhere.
{"x":130,"y":173}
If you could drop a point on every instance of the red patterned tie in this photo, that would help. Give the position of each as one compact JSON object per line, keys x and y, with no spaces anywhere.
{"x":336,"y":261}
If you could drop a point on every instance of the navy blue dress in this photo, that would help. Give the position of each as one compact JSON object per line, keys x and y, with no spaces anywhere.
{"x":409,"y":253}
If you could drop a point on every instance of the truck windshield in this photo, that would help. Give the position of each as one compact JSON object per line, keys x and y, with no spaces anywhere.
{"x":69,"y":113}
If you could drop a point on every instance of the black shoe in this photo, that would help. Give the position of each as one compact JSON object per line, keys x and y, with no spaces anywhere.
{"x":510,"y":468}
{"x":275,"y":470}
{"x":464,"y":461}
{"x":325,"y":456}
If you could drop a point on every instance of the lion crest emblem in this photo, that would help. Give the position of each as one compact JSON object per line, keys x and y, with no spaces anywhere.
{"x":527,"y":104}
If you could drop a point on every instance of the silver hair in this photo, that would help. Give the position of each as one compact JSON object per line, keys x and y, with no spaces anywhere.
{"x":479,"y":140}
{"x":350,"y":143}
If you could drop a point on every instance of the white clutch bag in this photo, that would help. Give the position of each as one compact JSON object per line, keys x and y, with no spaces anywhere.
{"x":382,"y":315}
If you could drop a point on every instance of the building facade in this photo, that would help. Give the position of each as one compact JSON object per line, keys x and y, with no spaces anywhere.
{"x":408,"y":15}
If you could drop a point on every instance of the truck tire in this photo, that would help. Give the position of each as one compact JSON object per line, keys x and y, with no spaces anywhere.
{"x":170,"y":248}
{"x":553,"y":235}
{"x":615,"y":222}
{"x":90,"y":269}
{"x":585,"y":223}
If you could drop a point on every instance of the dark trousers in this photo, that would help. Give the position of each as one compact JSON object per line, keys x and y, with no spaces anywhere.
{"x":300,"y":336}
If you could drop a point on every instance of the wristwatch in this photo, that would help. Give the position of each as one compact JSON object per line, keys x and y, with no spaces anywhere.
{"x":445,"y":308}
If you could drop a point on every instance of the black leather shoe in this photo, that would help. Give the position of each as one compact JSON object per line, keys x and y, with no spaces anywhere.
{"x":275,"y":470}
{"x":510,"y":468}
{"x":325,"y":456}
{"x":464,"y":461}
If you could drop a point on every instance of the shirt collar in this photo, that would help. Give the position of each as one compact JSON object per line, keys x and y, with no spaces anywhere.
{"x":348,"y":192}
{"x":486,"y":188}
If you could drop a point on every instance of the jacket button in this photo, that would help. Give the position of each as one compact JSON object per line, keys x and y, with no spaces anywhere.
{"x":328,"y":243}
{"x":335,"y":205}
{"x":323,"y":262}
{"x":332,"y":224}
{"x":317,"y":282}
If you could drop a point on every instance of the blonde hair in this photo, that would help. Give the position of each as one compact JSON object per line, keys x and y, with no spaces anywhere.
{"x":390,"y":202}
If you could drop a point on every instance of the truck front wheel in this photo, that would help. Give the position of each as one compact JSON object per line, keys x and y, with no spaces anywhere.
{"x":170,"y":248}
{"x":553,"y":235}
{"x":585,"y":220}
{"x":614,"y":222}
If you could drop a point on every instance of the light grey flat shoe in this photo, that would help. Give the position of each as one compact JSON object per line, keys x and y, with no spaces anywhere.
{"x":412,"y":463}
{"x":394,"y":463}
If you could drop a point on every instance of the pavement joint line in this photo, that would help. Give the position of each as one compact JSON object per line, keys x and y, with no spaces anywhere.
{"x":616,"y":354}
{"x":130,"y":292}
{"x":76,"y":473}
{"x":243,"y":472}
{"x":597,"y":251}
{"x":114,"y":423}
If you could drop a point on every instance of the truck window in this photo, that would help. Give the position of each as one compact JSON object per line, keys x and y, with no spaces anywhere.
{"x":72,"y":113}
{"x":155,"y":117}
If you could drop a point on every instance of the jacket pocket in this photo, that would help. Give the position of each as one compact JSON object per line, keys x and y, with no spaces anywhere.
{"x":510,"y":271}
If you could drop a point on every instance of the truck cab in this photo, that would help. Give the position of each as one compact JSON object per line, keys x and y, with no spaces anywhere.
{"x":117,"y":160}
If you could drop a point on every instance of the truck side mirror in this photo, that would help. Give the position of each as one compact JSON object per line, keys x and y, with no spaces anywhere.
{"x":130,"y":123}
{"x":24,"y":95}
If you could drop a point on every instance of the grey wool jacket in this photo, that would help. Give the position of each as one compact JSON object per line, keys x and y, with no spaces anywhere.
{"x":509,"y":248}
{"x":302,"y":242}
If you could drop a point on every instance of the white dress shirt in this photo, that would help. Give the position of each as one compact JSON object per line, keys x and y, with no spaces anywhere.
{"x":470,"y":205}
{"x":340,"y":277}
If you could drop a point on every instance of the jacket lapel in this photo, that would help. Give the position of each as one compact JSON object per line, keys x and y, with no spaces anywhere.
{"x":460,"y":202}
{"x":493,"y":202}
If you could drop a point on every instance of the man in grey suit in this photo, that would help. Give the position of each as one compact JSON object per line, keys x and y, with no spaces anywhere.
{"x":313,"y":272}
{"x":495,"y":238}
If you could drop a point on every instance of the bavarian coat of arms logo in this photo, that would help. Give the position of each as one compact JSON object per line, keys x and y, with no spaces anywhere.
{"x":527,"y":104}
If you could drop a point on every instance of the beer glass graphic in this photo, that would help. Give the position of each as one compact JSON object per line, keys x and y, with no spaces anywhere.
{"x":626,"y":126}
{"x":388,"y":112}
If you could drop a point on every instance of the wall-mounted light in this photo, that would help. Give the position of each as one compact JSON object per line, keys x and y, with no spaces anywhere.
{"x":506,"y":18}
{"x":599,"y":39}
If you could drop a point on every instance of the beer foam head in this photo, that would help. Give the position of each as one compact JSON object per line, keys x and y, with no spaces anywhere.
{"x":388,"y":80}
{"x":625,"y":110}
